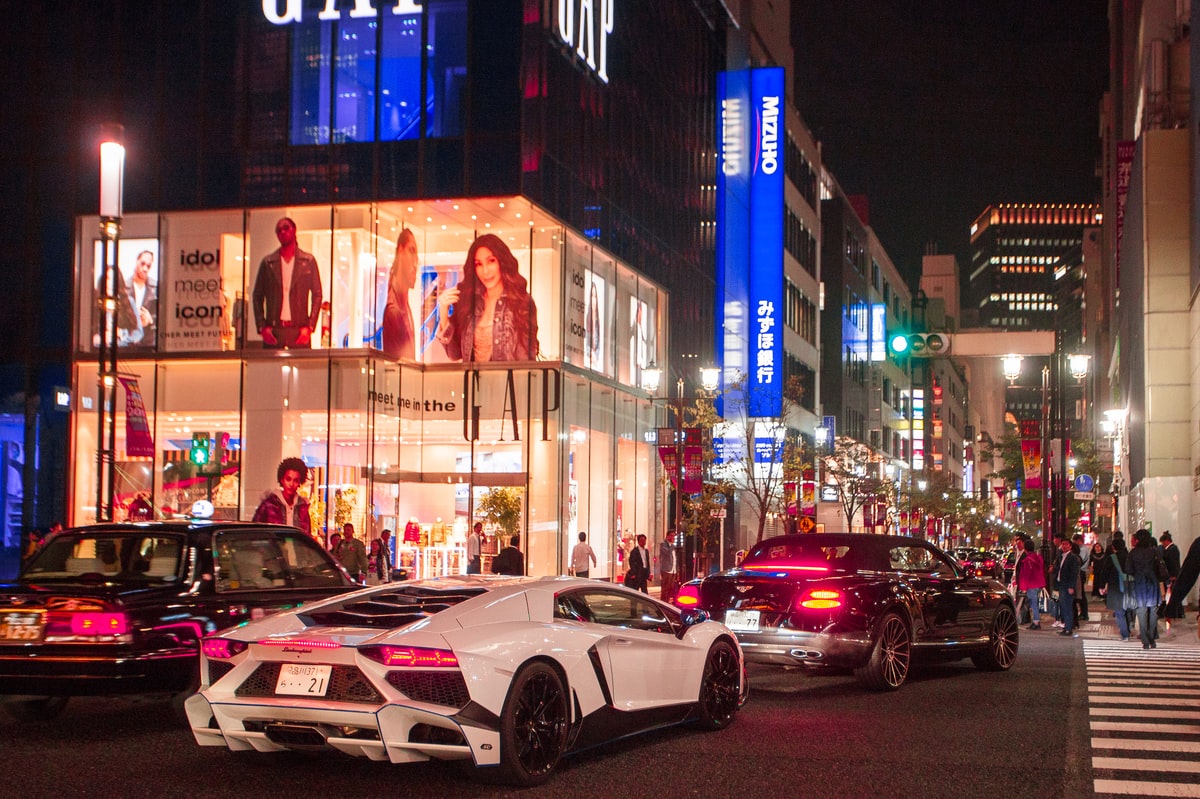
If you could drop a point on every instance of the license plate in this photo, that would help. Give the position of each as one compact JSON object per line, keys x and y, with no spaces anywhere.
{"x":742,"y":621}
{"x":302,"y":679}
{"x":21,"y":626}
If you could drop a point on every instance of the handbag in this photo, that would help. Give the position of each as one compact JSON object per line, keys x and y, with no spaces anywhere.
{"x":1163,"y":574}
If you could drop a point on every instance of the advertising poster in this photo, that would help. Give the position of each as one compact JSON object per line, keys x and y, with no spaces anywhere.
{"x":639,"y":344}
{"x":200,"y":312}
{"x":136,"y":292}
{"x":595,"y":324}
{"x":139,"y":443}
{"x":486,"y":313}
{"x":1031,"y":454}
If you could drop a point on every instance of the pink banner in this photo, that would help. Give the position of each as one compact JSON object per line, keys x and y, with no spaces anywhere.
{"x":667,"y":456}
{"x":1031,"y":454}
{"x":139,"y":443}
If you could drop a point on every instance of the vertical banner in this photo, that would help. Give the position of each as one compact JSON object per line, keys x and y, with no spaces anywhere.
{"x":765,"y":375}
{"x":1125,"y":153}
{"x":139,"y":443}
{"x":693,"y":470}
{"x":733,"y":226}
{"x":667,"y":456}
{"x":1031,"y":455}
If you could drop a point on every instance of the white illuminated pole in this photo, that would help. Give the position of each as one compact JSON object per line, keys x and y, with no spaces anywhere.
{"x":112,"y":190}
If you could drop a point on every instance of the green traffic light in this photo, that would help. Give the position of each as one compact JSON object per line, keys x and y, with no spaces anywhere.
{"x":199,"y":456}
{"x":899,"y":343}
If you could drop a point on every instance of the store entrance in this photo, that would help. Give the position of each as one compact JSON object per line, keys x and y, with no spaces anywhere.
{"x":430,"y":514}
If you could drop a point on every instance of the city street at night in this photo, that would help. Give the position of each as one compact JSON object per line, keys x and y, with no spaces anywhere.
{"x":1054,"y":725}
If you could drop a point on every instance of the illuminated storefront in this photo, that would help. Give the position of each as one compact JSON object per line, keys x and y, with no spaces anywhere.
{"x":411,"y":439}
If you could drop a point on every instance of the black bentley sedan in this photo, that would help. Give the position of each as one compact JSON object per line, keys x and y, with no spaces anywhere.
{"x":871,"y":603}
{"x":121,"y":608}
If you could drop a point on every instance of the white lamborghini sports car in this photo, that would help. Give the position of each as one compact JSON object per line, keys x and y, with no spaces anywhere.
{"x":509,"y":674}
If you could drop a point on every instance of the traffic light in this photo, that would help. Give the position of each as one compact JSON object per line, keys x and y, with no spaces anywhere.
{"x":200,"y":453}
{"x":919,"y":345}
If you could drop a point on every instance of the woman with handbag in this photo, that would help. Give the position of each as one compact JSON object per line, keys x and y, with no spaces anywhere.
{"x":1111,"y":578}
{"x":1142,"y":566}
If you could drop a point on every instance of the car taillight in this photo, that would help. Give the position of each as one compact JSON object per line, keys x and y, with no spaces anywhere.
{"x":820,"y":599}
{"x":688,"y":596}
{"x":218,"y":648}
{"x":315,"y":643}
{"x":86,"y":626}
{"x":413,"y":656}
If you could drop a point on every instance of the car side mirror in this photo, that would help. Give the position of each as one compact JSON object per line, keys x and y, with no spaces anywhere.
{"x":694,"y":616}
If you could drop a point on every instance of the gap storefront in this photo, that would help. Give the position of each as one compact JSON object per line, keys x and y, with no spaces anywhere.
{"x":410,"y":441}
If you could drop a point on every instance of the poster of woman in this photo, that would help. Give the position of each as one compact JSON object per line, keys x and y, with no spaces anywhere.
{"x":488,"y":315}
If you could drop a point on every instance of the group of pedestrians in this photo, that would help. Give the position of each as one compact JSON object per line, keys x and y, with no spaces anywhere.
{"x":1134,"y":584}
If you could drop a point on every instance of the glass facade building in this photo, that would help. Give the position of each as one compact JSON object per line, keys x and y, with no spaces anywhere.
{"x":580,"y":134}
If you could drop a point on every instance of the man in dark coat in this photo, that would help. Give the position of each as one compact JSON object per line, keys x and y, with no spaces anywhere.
{"x":1170,"y":557}
{"x":638,"y":576}
{"x":1188,"y":572}
{"x":287,"y":293}
{"x":1067,"y":583}
{"x":510,"y":560}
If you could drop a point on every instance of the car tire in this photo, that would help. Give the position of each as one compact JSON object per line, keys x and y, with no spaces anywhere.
{"x":720,"y":687}
{"x":533,"y":725}
{"x":42,"y":709}
{"x":887,"y":667}
{"x":1003,"y":640}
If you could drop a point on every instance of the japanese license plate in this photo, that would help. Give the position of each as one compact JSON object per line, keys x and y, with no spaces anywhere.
{"x":20,"y":626}
{"x":743,"y":621}
{"x":303,"y":679}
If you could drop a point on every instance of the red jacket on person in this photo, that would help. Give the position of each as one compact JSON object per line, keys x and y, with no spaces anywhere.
{"x":1031,"y":572}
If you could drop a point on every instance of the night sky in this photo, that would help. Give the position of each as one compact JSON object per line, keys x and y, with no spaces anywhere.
{"x":936,"y":109}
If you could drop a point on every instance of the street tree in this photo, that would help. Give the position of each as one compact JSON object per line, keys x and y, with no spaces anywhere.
{"x":853,"y":468}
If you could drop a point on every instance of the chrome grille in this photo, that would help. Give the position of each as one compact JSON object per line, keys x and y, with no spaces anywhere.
{"x":346,"y":684}
{"x":447,"y":688}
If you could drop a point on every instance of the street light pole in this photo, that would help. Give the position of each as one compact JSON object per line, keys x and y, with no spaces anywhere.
{"x":678,"y":537}
{"x":112,"y":177}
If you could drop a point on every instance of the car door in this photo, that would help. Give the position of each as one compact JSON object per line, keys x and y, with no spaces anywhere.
{"x":260,"y":572}
{"x":938,"y":587}
{"x":647,"y":665}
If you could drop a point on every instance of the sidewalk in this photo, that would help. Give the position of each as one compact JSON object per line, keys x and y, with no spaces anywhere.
{"x":1100,"y":626}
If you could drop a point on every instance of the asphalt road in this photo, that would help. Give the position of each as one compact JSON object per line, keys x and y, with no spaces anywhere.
{"x":951,"y":731}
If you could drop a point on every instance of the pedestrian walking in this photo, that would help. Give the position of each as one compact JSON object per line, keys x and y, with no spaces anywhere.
{"x":1110,"y":575}
{"x":1067,"y":583}
{"x":1029,"y":580}
{"x":1170,"y":557}
{"x":510,"y":560}
{"x":353,"y":553}
{"x":667,"y":568}
{"x":1142,"y":566}
{"x":582,"y":557}
{"x":1189,"y":570}
{"x":475,"y":549}
{"x":1094,"y":565}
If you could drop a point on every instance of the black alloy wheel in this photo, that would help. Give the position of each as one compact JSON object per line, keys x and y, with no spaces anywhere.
{"x":720,"y":687}
{"x":1002,"y":644}
{"x":533,"y":725}
{"x":887,"y":668}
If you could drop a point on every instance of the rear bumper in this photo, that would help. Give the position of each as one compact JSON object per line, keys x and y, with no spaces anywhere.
{"x":65,"y":673}
{"x":802,"y":648}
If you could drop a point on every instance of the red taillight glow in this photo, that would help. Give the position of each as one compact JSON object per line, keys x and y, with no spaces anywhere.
{"x":411,"y":656}
{"x":688,"y":597}
{"x":99,"y":624}
{"x":221,"y":648}
{"x":787,"y":567}
{"x":821,"y":599}
{"x":321,"y":644}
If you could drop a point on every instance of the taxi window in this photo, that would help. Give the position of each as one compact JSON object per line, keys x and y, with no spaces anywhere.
{"x":249,"y":561}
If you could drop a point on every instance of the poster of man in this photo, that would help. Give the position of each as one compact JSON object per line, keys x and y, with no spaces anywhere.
{"x":287,"y":293}
{"x":136,"y":292}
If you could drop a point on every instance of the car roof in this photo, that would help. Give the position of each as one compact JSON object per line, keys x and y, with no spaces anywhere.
{"x":178,"y":526}
{"x":840,"y":538}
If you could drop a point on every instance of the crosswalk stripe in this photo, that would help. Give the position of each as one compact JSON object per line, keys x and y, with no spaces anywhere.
{"x":1141,"y":788}
{"x":1147,"y":744}
{"x":1136,"y":700}
{"x":1135,"y":713}
{"x":1142,"y":764}
{"x":1124,"y":726}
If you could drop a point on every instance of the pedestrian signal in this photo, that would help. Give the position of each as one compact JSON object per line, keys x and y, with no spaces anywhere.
{"x":199,"y":454}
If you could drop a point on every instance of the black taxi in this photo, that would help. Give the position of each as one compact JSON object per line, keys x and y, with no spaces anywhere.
{"x":113,"y":609}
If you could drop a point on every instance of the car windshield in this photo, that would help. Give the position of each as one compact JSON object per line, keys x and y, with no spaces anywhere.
{"x":803,"y":553}
{"x":114,"y":557}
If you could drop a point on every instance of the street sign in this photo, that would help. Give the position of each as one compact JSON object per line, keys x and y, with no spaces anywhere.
{"x":806,"y":524}
{"x":1084,"y":482}
{"x":1085,"y":495}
